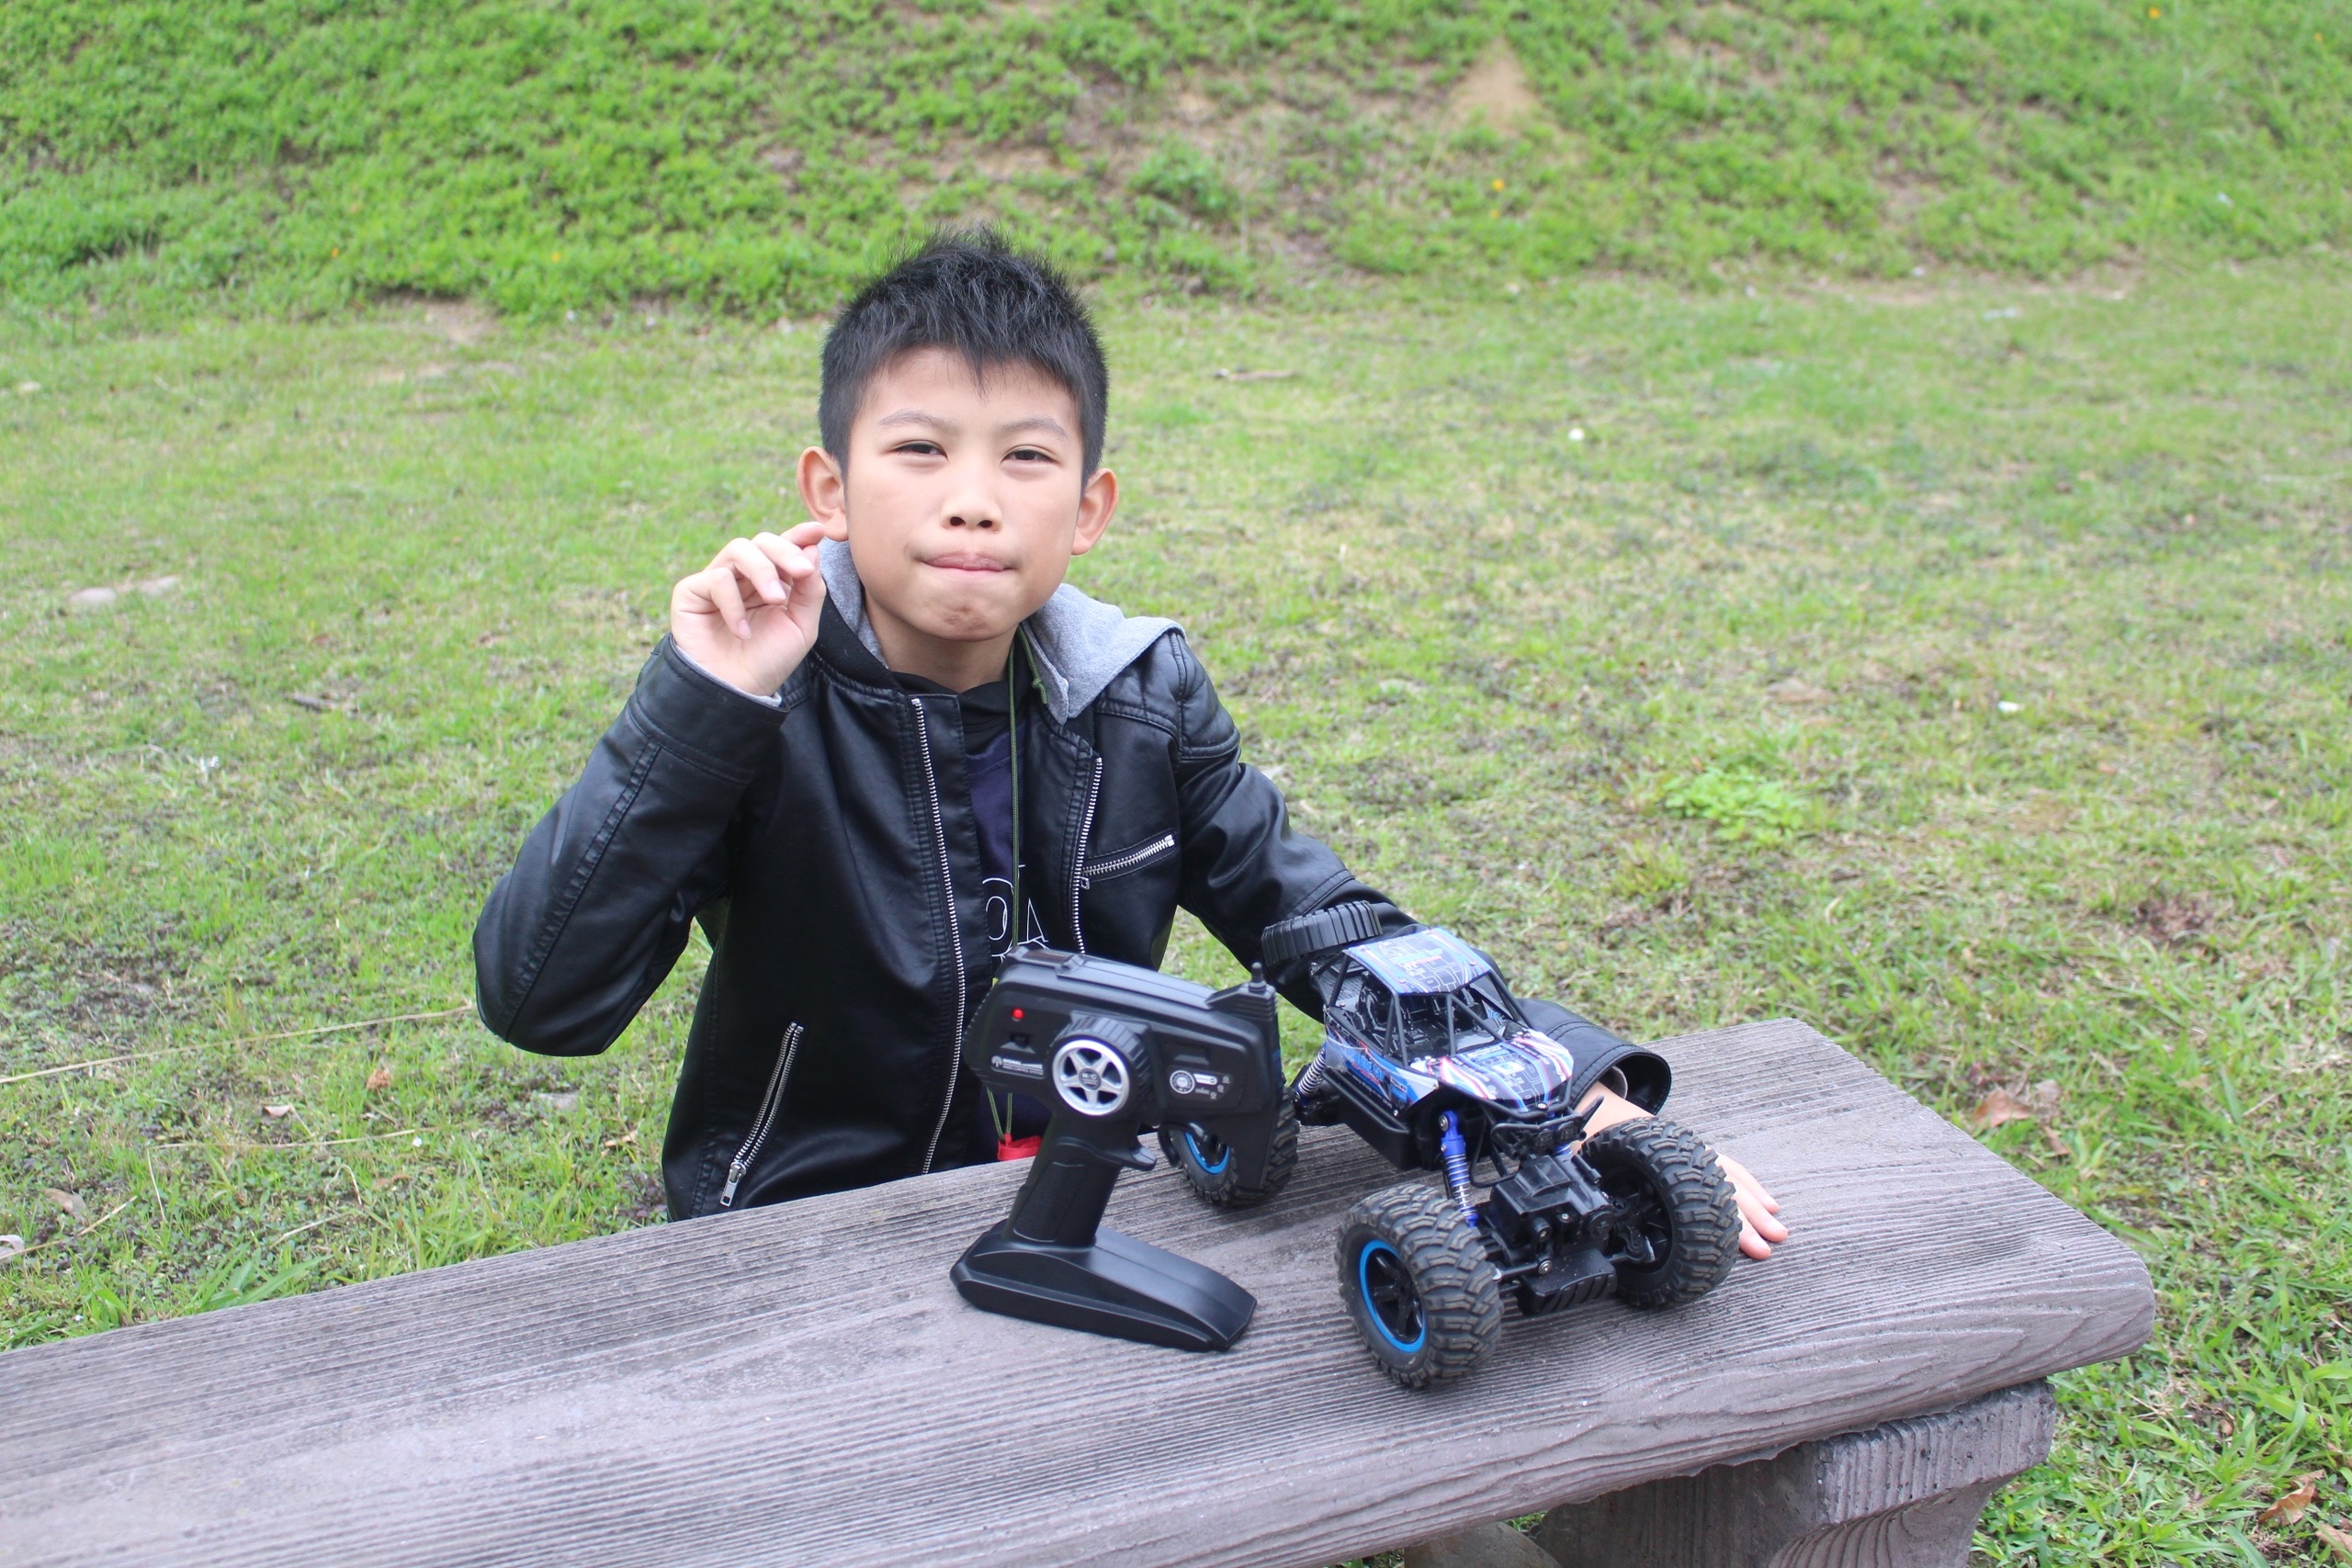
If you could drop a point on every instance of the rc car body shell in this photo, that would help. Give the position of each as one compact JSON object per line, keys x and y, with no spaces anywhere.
{"x":1421,"y":1022}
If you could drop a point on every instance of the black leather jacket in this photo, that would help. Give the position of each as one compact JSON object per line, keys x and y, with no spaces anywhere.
{"x":826,"y":843}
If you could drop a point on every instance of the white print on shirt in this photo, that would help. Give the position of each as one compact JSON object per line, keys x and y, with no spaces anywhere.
{"x":996,"y":915}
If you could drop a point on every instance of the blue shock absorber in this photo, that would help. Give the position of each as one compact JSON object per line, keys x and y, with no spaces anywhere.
{"x":1457,"y":1166}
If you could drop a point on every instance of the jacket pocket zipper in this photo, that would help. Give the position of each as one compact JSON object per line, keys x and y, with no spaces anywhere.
{"x":1133,"y":859}
{"x":766,"y":1118}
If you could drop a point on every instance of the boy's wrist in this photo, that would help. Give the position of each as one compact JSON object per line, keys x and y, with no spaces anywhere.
{"x":1607,"y":1108}
{"x":772,"y":699}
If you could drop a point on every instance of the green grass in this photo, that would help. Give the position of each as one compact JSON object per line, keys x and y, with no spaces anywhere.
{"x":756,"y":154}
{"x":2017,"y":619}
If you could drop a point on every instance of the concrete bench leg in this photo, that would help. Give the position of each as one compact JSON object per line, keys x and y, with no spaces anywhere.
{"x":1907,"y":1495}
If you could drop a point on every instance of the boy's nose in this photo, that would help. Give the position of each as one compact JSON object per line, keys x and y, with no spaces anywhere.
{"x":971,"y":505}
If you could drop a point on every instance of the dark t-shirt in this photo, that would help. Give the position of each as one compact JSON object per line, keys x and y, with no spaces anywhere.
{"x":988,"y":765}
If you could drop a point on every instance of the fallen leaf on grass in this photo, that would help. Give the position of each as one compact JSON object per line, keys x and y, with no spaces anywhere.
{"x":2002,"y":1106}
{"x":380,"y":1078}
{"x":627,"y":1139}
{"x":1999,"y":1108}
{"x":383,"y":1181}
{"x":10,"y":1244}
{"x":2341,"y":1540}
{"x":2289,"y":1506}
{"x":69,"y":1202}
{"x":278,"y":1112}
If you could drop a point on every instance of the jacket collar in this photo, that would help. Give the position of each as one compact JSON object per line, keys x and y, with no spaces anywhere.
{"x":1078,"y":645}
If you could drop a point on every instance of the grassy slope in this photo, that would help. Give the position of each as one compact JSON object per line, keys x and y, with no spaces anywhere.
{"x":754,"y":153}
{"x":1488,"y":656}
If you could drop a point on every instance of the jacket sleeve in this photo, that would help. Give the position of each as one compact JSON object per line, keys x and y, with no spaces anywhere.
{"x":1245,"y":867}
{"x":601,"y":899}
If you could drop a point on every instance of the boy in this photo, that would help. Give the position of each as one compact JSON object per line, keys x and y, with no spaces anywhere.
{"x":877,"y":749}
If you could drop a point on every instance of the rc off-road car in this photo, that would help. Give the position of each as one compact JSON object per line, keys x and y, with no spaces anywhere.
{"x":1428,"y":1055}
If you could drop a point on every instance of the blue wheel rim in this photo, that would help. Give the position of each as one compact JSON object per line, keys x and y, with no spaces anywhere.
{"x":1194,"y":1139}
{"x":1391,"y":1305}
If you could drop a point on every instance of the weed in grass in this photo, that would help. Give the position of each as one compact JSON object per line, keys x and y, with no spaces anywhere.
{"x":1739,"y":799}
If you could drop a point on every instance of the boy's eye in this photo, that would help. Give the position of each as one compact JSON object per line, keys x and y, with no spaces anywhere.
{"x":921,"y":448}
{"x":1029,"y":455}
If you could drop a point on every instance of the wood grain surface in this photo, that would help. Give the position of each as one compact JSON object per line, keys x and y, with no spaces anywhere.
{"x":801,"y":1384}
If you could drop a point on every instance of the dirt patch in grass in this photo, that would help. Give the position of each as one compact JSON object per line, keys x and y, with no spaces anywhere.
{"x":465,"y":323}
{"x":2173,"y":918}
{"x":1495,"y":92}
{"x":93,"y":993}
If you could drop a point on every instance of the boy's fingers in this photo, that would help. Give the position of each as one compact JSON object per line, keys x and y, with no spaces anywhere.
{"x":751,"y":563}
{"x":728,"y":599}
{"x":796,"y":564}
{"x":805,"y":535}
{"x":1757,"y":1229}
{"x":1739,"y":1177}
{"x":1762,"y":1223}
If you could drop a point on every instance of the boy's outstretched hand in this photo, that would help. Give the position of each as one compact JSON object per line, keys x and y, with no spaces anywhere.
{"x":750,"y":617}
{"x":1758,"y":1228}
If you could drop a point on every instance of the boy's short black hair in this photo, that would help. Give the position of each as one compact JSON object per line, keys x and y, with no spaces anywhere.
{"x":972,"y":294}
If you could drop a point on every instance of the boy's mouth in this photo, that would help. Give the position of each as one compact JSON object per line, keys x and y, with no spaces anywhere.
{"x":967,"y":560}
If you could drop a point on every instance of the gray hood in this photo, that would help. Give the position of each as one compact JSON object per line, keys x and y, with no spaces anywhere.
{"x":1078,"y":644}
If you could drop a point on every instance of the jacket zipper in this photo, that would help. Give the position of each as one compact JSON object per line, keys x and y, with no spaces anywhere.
{"x":954,"y":931}
{"x":1078,"y":857}
{"x":766,"y":1118}
{"x":1129,"y":861}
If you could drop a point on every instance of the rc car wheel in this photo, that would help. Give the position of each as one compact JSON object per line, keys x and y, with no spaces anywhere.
{"x":1209,"y":1165}
{"x":1318,"y":932}
{"x":1419,"y":1285}
{"x":1682,"y":1229}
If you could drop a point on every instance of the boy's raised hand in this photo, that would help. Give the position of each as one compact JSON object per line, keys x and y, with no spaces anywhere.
{"x":750,"y":617}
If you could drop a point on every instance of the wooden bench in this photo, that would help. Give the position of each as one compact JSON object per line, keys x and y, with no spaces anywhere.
{"x":801,"y":1385}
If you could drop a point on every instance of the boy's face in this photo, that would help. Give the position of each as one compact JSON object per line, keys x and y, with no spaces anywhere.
{"x":963,"y":504}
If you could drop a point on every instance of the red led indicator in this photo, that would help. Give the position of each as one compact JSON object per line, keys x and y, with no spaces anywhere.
{"x":1017,"y":1015}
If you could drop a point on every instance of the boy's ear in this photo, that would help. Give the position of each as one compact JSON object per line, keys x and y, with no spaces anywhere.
{"x":825,"y":492}
{"x":1096,"y":501}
